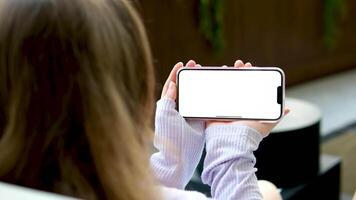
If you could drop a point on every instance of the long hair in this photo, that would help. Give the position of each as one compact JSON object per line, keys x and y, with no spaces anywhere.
{"x":76,"y":98}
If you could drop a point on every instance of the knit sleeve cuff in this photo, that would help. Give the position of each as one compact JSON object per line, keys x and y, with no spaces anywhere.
{"x":240,"y":136}
{"x":166,"y":104}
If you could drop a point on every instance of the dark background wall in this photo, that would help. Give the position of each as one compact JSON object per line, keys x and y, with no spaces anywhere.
{"x":287,"y":34}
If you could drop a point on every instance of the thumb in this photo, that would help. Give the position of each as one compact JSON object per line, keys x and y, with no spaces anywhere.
{"x":172,"y":91}
{"x":286,"y":111}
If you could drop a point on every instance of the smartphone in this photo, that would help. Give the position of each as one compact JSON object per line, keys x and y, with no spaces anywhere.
{"x":226,"y":93}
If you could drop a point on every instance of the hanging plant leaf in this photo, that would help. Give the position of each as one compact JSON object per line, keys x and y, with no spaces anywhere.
{"x":210,"y":22}
{"x":332,"y":13}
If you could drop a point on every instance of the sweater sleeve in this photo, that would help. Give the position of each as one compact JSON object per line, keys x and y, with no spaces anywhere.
{"x":180,"y":145}
{"x":229,"y":163}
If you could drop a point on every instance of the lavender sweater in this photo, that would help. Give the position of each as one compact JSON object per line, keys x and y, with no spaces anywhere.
{"x":229,"y":162}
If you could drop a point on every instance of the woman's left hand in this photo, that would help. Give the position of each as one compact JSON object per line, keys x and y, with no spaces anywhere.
{"x":264,"y":128}
{"x":170,"y":89}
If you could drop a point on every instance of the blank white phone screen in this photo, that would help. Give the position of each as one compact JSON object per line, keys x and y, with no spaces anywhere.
{"x":248,"y":94}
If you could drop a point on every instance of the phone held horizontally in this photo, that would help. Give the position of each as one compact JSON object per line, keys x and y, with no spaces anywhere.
{"x":225,"y":93}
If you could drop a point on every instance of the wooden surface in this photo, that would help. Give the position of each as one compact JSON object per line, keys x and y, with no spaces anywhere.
{"x":280,"y":33}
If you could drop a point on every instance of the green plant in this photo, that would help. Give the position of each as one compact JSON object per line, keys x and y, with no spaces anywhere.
{"x":210,"y":22}
{"x":332,"y":13}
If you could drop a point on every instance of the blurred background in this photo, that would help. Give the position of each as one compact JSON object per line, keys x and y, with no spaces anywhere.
{"x":307,"y":38}
{"x":313,"y":41}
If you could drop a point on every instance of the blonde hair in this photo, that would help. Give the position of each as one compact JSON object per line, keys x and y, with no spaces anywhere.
{"x":76,"y":98}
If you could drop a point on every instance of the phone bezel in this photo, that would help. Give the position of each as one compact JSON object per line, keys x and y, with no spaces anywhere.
{"x":237,"y":69}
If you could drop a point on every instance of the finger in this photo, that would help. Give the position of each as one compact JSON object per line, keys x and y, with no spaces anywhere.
{"x":171,"y":77}
{"x":171,"y":91}
{"x":220,"y":122}
{"x":173,"y":74}
{"x":198,"y":65}
{"x":238,"y":63}
{"x":224,"y":66}
{"x":190,"y":63}
{"x":286,"y":111}
{"x":269,"y":126}
{"x":248,"y":64}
